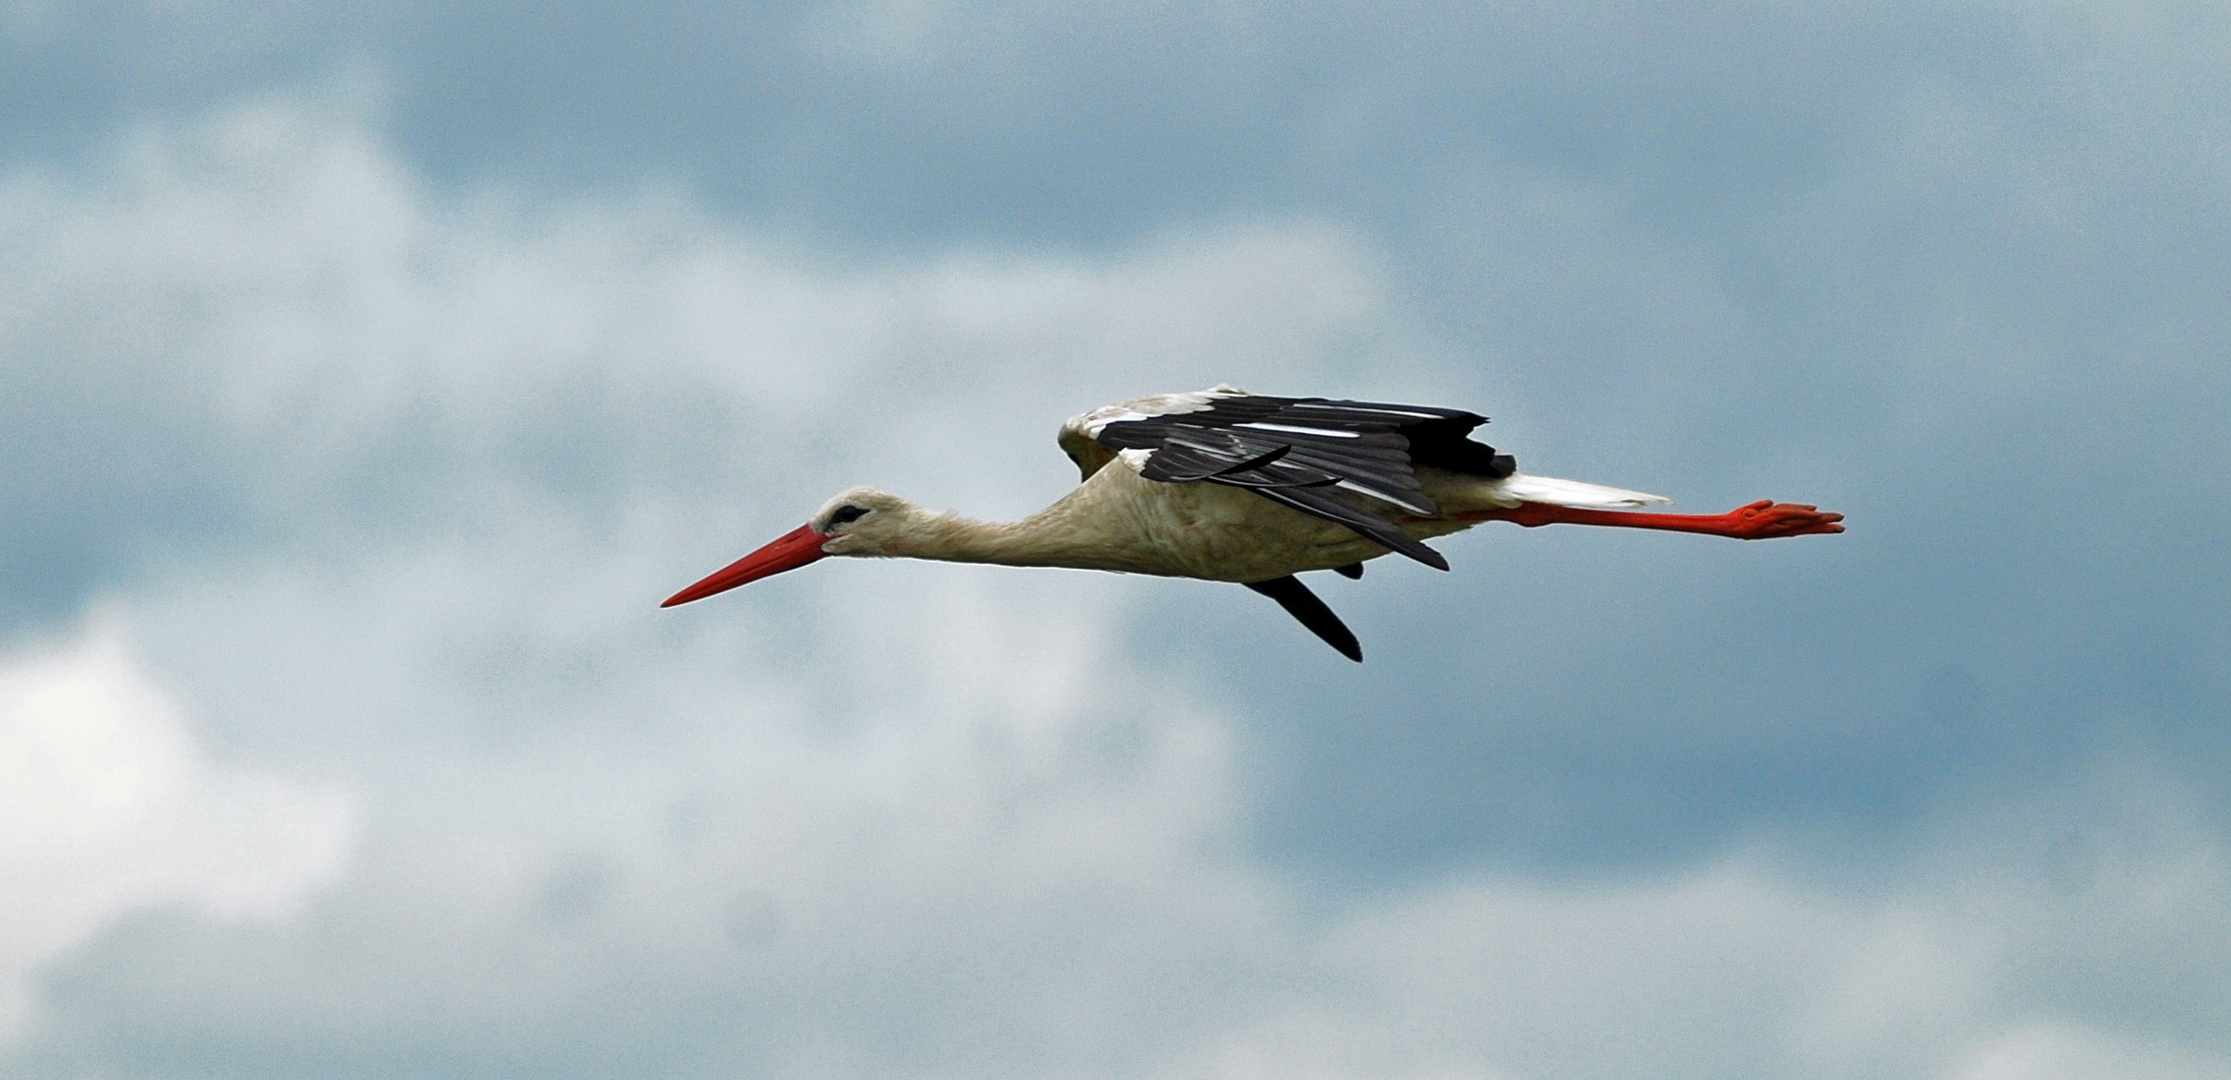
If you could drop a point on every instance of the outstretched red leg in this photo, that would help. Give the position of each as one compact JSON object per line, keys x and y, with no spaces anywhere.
{"x":1761,"y":520}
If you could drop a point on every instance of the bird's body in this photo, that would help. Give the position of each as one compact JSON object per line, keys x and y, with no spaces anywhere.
{"x":1120,"y":521}
{"x":1223,"y":485}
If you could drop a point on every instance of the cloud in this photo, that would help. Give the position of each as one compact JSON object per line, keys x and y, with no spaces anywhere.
{"x":943,"y":840}
{"x":456,"y":454}
{"x":261,"y":329}
{"x":2046,"y":1052}
{"x":383,"y":476}
{"x":1762,"y":961}
{"x":108,"y":806}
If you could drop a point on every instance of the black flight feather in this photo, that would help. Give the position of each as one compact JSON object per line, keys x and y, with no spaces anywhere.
{"x":1302,"y":604}
{"x":1288,"y":450}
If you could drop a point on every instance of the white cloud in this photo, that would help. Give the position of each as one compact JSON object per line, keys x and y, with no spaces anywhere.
{"x":272,"y":279}
{"x":108,"y":806}
{"x":2048,"y":1052}
{"x":868,"y":819}
{"x":1746,"y":967}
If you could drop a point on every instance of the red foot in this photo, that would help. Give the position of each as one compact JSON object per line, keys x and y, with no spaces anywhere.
{"x":1762,"y":520}
{"x":1766,"y":519}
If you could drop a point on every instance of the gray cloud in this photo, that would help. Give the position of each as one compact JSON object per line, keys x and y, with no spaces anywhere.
{"x":379,"y":413}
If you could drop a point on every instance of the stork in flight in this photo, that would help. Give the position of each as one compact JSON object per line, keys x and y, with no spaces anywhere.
{"x":1225,"y":485}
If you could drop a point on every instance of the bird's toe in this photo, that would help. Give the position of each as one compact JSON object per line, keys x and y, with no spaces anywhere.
{"x":1765,"y":520}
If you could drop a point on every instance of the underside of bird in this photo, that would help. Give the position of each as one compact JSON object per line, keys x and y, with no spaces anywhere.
{"x":1224,"y":485}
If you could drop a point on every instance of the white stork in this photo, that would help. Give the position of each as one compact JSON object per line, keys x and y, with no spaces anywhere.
{"x":1225,"y":485}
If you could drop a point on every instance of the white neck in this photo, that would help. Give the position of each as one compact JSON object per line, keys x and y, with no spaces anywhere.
{"x":1059,"y":535}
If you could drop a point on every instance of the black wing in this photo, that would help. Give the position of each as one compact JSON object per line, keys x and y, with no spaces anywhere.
{"x":1302,"y":604}
{"x":1295,"y":451}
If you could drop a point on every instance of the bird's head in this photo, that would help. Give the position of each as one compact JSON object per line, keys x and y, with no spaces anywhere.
{"x":860,"y":521}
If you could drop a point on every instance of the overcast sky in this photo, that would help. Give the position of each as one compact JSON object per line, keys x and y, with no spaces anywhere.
{"x":370,"y":377}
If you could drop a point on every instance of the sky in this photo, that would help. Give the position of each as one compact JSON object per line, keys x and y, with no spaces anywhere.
{"x":370,"y":375}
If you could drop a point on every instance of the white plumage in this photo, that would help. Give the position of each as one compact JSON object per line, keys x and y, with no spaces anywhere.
{"x":1521,"y":488}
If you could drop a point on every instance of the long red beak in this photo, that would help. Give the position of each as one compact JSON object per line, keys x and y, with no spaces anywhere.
{"x":791,"y":551}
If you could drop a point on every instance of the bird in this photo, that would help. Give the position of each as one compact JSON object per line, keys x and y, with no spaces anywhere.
{"x":1224,"y":485}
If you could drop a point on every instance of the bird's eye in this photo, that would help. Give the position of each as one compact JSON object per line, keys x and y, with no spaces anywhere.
{"x":848,"y":514}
